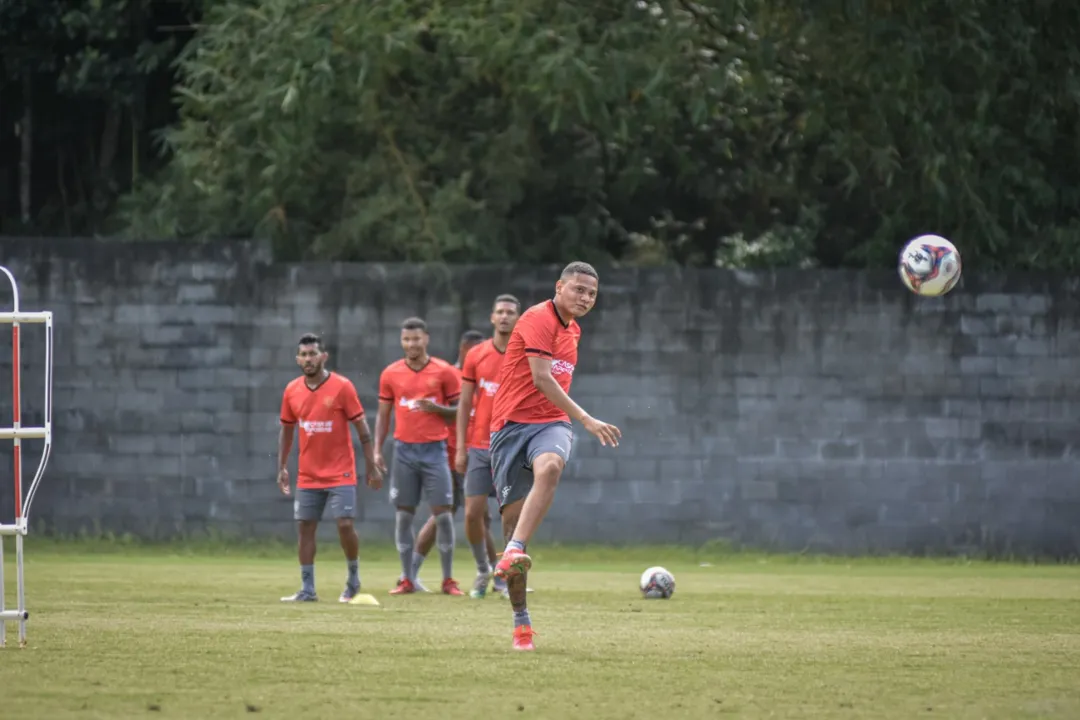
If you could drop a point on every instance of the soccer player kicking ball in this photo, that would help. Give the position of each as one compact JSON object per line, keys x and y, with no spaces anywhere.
{"x":420,"y":389}
{"x":479,"y":382}
{"x":323,"y":404}
{"x":530,"y":424}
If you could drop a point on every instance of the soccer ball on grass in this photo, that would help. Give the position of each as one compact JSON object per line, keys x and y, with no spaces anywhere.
{"x":657,"y":583}
{"x":930,"y":265}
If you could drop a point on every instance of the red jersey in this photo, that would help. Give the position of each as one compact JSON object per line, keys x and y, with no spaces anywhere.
{"x":399,"y":384}
{"x":323,"y":414}
{"x":539,"y":333}
{"x":482,"y":366}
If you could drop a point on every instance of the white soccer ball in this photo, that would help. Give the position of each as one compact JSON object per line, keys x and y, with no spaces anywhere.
{"x":930,"y":265}
{"x":657,"y":583}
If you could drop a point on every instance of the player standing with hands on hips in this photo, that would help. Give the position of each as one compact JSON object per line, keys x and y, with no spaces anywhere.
{"x":531,"y":432}
{"x":324,"y":404}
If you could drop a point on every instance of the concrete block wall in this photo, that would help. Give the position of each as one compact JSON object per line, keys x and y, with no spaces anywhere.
{"x":822,"y":410}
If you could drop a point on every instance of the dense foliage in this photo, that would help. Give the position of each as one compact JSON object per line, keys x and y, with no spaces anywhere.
{"x":750,"y":132}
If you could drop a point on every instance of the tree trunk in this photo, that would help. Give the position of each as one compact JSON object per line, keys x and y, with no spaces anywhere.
{"x":26,"y":156}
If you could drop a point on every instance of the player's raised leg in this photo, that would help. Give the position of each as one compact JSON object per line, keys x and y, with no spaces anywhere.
{"x":307,"y":510}
{"x":343,"y":509}
{"x":546,"y":449}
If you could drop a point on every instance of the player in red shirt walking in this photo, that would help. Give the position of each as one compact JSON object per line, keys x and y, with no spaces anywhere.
{"x":531,"y":433}
{"x":323,"y":404}
{"x":479,"y":381}
{"x":422,"y":391}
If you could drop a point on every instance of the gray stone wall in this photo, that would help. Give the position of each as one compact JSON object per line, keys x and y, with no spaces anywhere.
{"x":825,"y":410}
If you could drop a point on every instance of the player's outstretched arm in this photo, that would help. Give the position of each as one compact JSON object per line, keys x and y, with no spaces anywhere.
{"x":285,"y":443}
{"x":546,"y":383}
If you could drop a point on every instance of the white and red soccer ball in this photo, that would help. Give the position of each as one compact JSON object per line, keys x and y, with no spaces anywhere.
{"x":657,"y":583}
{"x":930,"y":265}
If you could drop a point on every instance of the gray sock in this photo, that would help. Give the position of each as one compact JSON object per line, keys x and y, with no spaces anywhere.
{"x":307,"y":576}
{"x":479,"y":551}
{"x":403,"y":535}
{"x":444,"y":539}
{"x":417,"y":561}
{"x":354,"y":573}
{"x":521,"y":617}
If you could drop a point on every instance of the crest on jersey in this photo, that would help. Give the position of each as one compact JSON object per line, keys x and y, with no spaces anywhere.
{"x":328,"y":402}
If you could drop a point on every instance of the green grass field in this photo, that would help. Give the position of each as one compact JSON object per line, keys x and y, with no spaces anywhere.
{"x":137,"y":632}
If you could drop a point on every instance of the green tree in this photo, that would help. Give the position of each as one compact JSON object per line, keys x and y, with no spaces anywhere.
{"x":474,"y":130}
{"x":756,"y":132}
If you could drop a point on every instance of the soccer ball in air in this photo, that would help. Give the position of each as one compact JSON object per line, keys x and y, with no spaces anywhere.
{"x":930,"y":265}
{"x":657,"y":583}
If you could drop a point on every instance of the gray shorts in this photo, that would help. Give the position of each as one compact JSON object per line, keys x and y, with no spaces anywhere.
{"x":478,"y":474}
{"x":310,"y":502}
{"x":421,"y":469}
{"x":513,"y":449}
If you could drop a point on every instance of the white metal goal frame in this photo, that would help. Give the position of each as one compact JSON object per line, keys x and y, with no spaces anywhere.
{"x":17,"y":433}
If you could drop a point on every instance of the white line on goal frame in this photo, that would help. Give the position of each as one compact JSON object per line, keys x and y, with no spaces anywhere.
{"x":17,"y":433}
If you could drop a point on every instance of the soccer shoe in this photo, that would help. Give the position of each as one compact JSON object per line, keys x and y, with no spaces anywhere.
{"x":348,"y":593}
{"x":512,"y":563}
{"x":404,"y":587}
{"x":420,"y":587}
{"x":523,"y":638}
{"x":450,"y":587}
{"x":301,"y":596}
{"x":480,"y":585}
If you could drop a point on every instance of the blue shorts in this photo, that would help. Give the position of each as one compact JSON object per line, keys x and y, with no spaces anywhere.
{"x":513,"y":449}
{"x":311,"y":502}
{"x":421,"y":469}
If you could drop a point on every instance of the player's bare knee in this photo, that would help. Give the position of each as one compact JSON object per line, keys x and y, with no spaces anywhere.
{"x":344,"y":524}
{"x":307,"y":528}
{"x":548,"y":467}
{"x":440,"y":509}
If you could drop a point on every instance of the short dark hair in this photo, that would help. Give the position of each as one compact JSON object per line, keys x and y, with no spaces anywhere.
{"x":579,"y":268}
{"x":310,"y":339}
{"x":414,"y":323}
{"x":507,"y":298}
{"x":472,"y":336}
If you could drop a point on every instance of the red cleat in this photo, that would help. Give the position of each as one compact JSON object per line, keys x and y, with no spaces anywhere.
{"x":450,"y":587}
{"x":404,"y":587}
{"x":523,"y":638}
{"x":513,"y":563}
